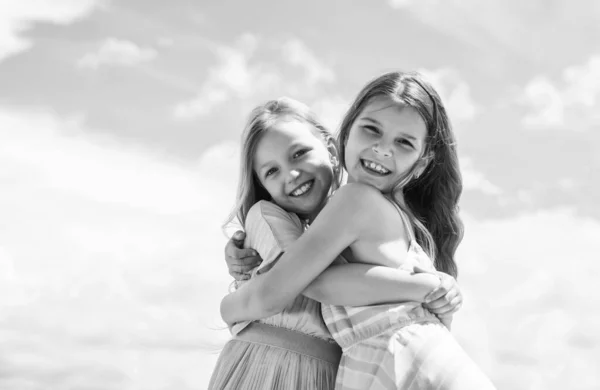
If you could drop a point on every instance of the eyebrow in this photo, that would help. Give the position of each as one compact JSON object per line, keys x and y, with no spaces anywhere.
{"x":374,"y":121}
{"x":264,"y":165}
{"x":293,"y":146}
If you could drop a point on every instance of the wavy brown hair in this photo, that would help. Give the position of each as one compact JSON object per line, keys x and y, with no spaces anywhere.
{"x":431,"y":198}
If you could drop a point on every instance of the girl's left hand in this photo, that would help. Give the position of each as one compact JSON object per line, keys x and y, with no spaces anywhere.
{"x":447,"y":298}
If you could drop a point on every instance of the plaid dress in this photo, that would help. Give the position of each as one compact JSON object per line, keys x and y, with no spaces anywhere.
{"x":399,"y":346}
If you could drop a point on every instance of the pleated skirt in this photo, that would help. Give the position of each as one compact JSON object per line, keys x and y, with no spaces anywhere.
{"x":264,"y":357}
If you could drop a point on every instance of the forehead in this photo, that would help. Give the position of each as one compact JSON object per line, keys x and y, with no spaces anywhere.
{"x":394,"y":116}
{"x":283,"y":135}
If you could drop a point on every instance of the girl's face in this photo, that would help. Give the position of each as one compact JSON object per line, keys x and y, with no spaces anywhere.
{"x":294,"y":165}
{"x":384,"y":143}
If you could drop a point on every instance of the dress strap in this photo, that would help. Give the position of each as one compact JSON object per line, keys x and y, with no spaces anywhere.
{"x":405,"y":220}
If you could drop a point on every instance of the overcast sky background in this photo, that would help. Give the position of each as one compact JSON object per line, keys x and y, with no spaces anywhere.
{"x":119,"y":129}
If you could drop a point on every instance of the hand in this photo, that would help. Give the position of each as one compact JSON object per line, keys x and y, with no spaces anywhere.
{"x":240,"y":261}
{"x":447,"y":298}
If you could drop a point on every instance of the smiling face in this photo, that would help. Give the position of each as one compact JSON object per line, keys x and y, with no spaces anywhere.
{"x":293,"y":164}
{"x":384,"y":143}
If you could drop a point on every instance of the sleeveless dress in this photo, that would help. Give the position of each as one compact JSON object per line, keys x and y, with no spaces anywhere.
{"x":290,"y":350}
{"x":400,"y":346}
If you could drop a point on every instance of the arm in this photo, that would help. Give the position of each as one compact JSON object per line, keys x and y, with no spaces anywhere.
{"x":338,"y":226}
{"x":345,"y":284}
{"x":366,"y":284}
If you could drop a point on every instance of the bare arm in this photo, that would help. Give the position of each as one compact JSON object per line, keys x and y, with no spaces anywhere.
{"x":366,"y":284}
{"x":345,"y":284}
{"x":336,"y":228}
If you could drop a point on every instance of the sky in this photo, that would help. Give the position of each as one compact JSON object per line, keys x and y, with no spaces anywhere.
{"x":119,"y":141}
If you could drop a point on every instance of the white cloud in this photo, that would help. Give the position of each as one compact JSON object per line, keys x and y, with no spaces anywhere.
{"x":59,"y":154}
{"x":455,"y":93}
{"x":108,"y":256}
{"x":116,"y":52}
{"x":526,"y":280}
{"x":17,"y":16}
{"x":400,"y":3}
{"x":331,"y":110}
{"x":545,"y":101}
{"x":233,"y":76}
{"x":536,"y":32}
{"x":296,"y":53}
{"x":240,"y":76}
{"x":574,"y":104}
{"x":475,"y":180}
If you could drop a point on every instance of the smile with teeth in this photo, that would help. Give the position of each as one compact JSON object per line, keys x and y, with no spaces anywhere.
{"x":303,"y":189}
{"x":373,"y":166}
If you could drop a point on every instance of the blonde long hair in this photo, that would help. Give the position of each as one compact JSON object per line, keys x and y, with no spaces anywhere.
{"x":261,"y":119}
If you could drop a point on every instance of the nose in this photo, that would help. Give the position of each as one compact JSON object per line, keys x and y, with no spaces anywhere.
{"x":293,"y":175}
{"x":382,"y":151}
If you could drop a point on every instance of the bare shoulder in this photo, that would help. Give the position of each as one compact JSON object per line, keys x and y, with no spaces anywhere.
{"x":359,"y":199}
{"x":357,"y":193}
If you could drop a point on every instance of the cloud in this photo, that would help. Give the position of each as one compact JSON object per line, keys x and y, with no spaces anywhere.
{"x":526,"y":280}
{"x":240,"y":76}
{"x":476,"y":181}
{"x":18,"y":16}
{"x":501,"y":28}
{"x":110,"y":246}
{"x":298,"y":54}
{"x":233,"y":76}
{"x":116,"y":52}
{"x":98,"y":168}
{"x":331,"y":109}
{"x":400,"y":3}
{"x":574,"y":103}
{"x":455,"y":93}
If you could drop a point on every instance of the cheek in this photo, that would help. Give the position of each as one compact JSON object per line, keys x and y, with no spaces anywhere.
{"x":272,"y":188}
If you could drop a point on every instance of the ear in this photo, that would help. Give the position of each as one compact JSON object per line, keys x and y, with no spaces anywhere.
{"x":333,"y":152}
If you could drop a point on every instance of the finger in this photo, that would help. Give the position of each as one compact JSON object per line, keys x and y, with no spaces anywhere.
{"x":443,"y":289}
{"x":443,"y":300}
{"x":452,"y":307}
{"x":244,"y":269}
{"x":419,"y":270}
{"x":238,"y":254}
{"x":239,"y":275}
{"x":251,"y":261}
{"x":447,"y":310}
{"x":239,"y":236}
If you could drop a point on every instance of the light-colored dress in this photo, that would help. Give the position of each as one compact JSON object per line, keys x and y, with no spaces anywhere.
{"x":400,"y":346}
{"x":290,"y":350}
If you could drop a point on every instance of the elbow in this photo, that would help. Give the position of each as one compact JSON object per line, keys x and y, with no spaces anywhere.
{"x":317,"y":292}
{"x":226,"y":314}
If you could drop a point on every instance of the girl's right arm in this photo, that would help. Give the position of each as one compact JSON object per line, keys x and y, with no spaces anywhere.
{"x":350,"y":284}
{"x":355,"y":284}
{"x":337,"y":227}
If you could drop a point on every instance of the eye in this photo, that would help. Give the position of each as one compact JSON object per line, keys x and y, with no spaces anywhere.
{"x":371,"y":129}
{"x":270,"y":172}
{"x":301,"y":153}
{"x":405,"y":142}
